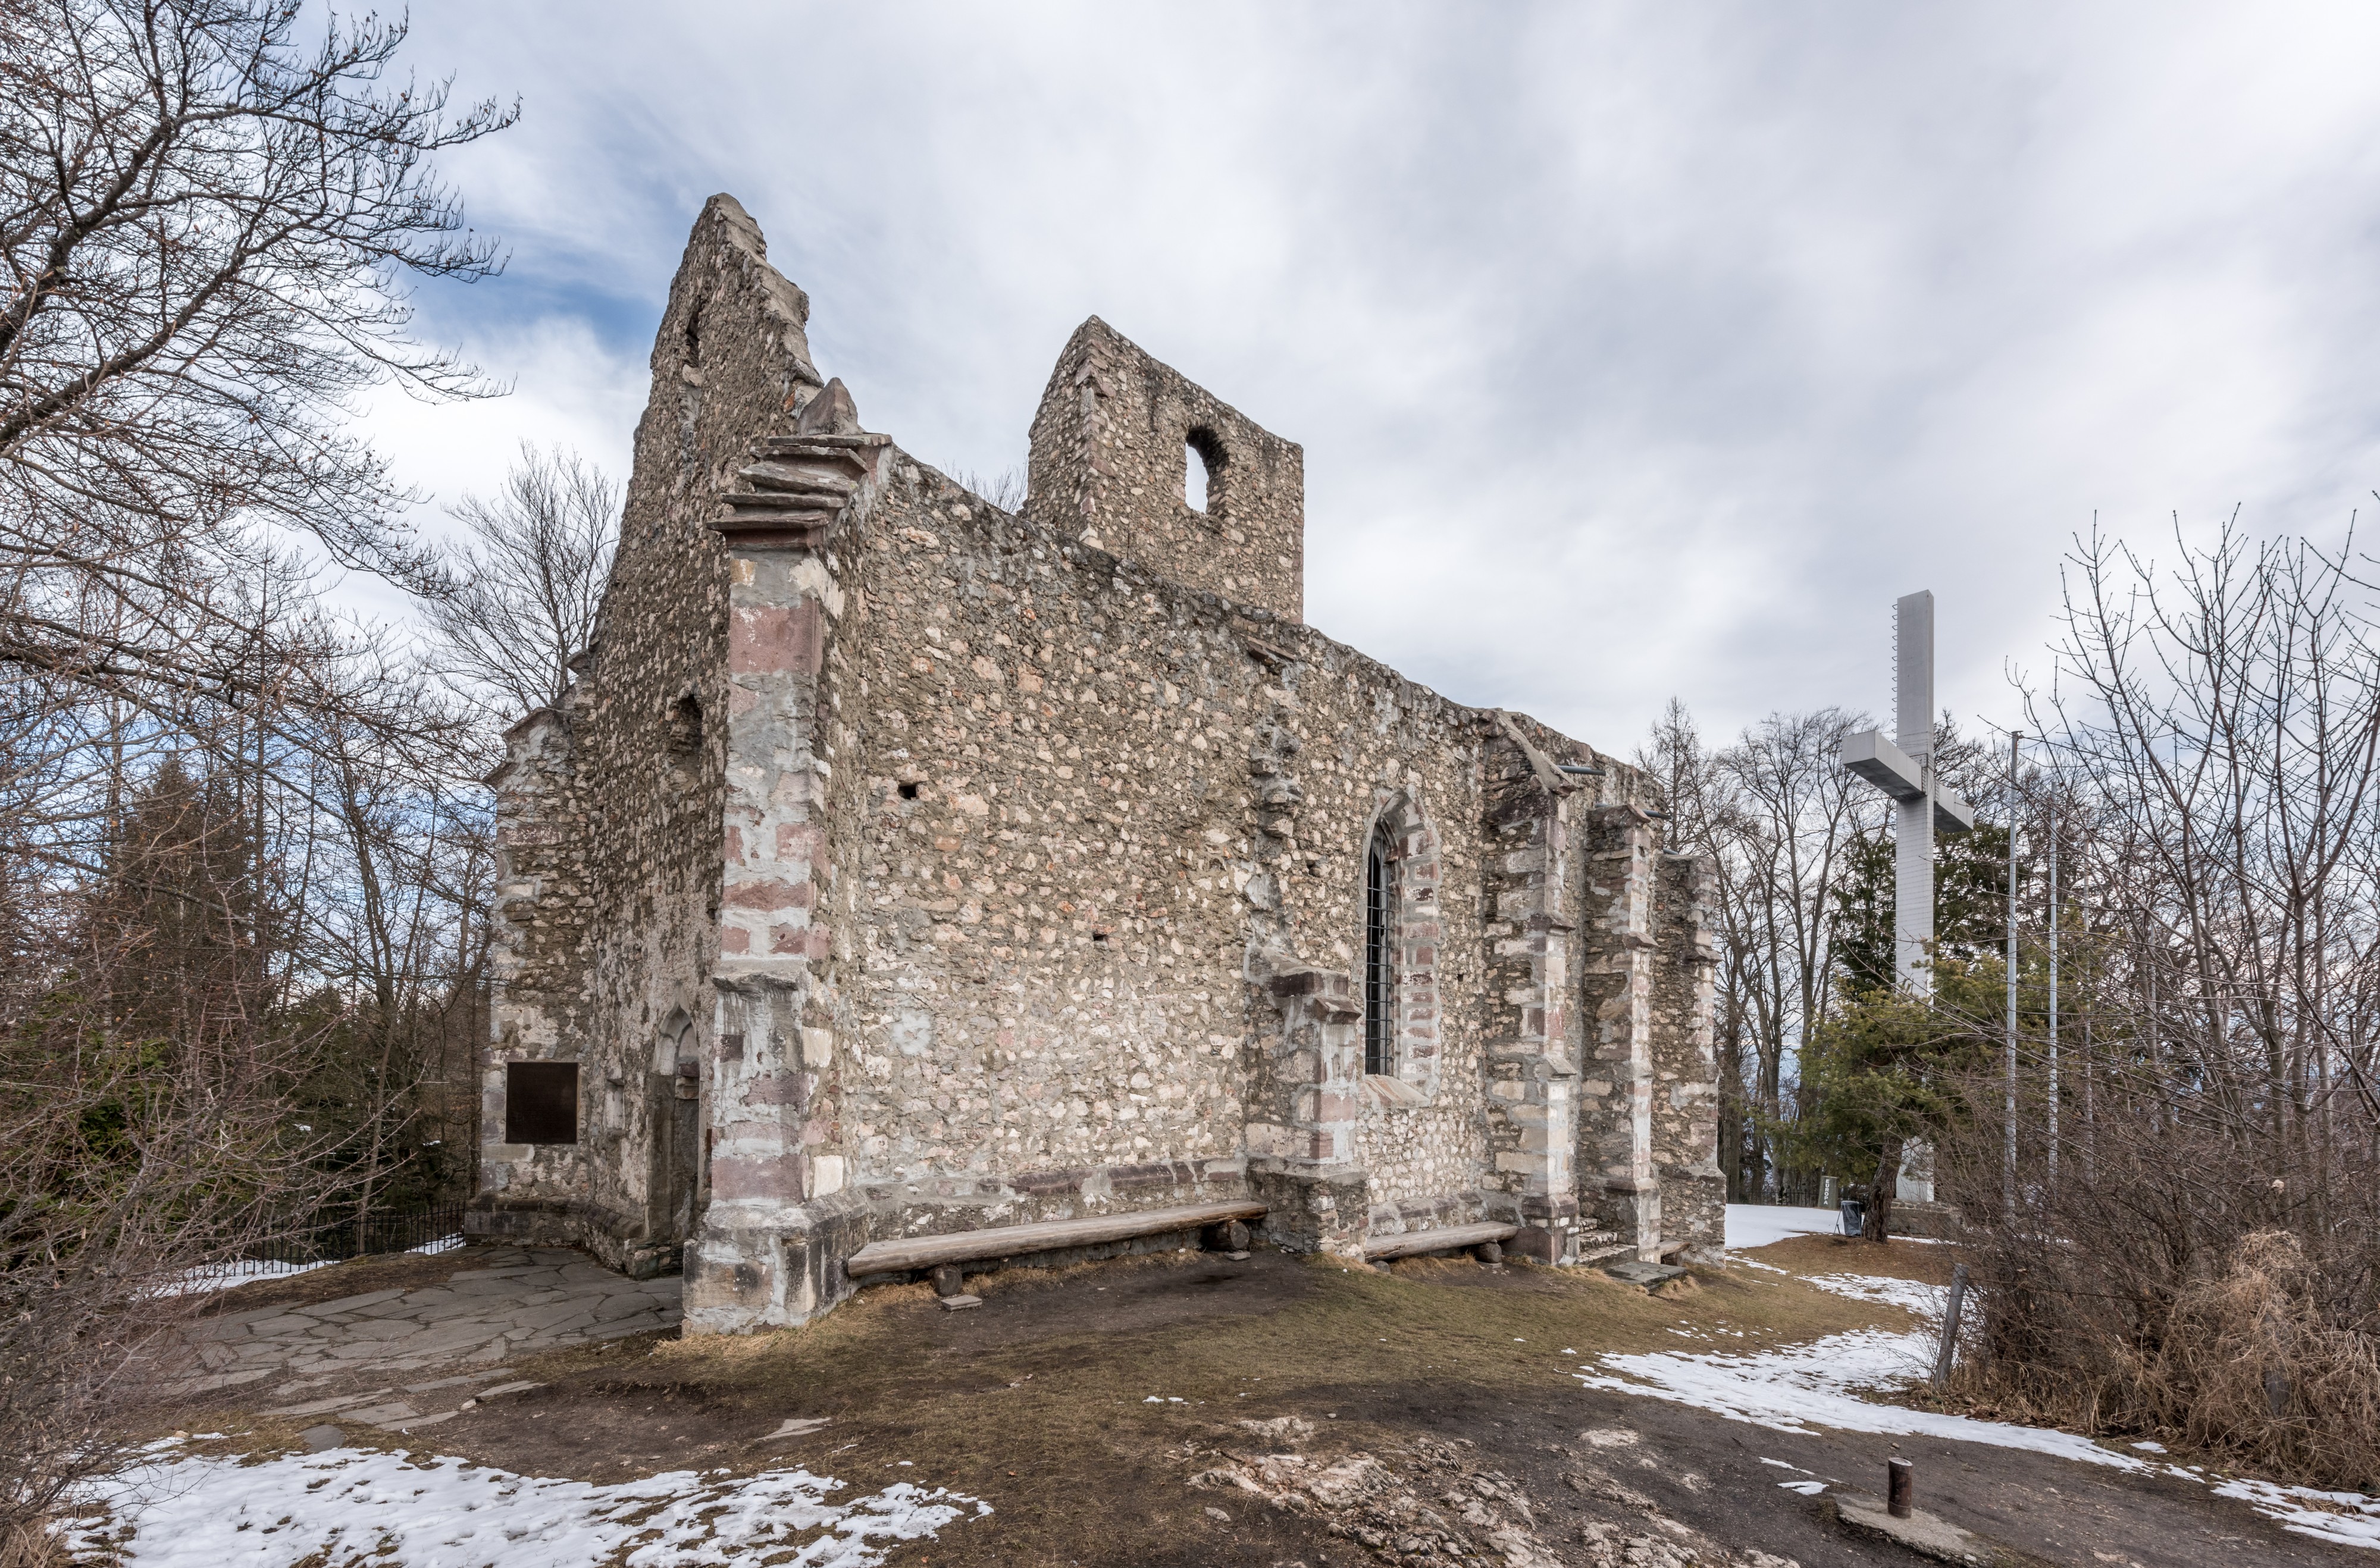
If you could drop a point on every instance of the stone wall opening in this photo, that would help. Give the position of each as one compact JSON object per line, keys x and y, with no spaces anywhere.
{"x":1401,"y":932}
{"x":1202,"y":473}
{"x":1379,"y":954}
{"x":686,"y":725}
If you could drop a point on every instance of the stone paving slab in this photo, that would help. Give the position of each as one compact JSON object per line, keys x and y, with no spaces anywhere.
{"x":519,"y":1301}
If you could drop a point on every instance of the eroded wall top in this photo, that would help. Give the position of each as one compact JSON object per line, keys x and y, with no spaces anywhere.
{"x":1113,"y":444}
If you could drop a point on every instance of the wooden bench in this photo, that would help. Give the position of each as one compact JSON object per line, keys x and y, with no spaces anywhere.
{"x":1445,"y":1238}
{"x":911,"y":1253}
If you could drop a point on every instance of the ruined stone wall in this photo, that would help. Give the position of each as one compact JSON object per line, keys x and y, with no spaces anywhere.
{"x":609,"y":810}
{"x":1103,"y":810}
{"x":1109,"y":460}
{"x":1375,"y":745}
{"x":1615,"y":1162}
{"x":1648,"y":1118}
{"x":900,"y":865}
{"x":1544,"y":788}
{"x":1046,"y":1003}
{"x":1684,"y":1100}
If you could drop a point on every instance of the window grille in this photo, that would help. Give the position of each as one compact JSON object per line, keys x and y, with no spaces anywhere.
{"x":1379,"y":955}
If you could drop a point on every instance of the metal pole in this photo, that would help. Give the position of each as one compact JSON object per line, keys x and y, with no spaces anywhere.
{"x":1950,"y":1313}
{"x":2089,"y":1102}
{"x":2052,"y":1004}
{"x":2008,"y":1146}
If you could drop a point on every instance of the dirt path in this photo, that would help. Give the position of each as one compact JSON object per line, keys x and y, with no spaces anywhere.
{"x":1195,"y":1410}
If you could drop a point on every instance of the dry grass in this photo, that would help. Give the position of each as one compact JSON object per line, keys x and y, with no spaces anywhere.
{"x":1917,"y":1261}
{"x":1069,"y":1408}
{"x":2250,"y":1368}
{"x":1466,"y":1329}
{"x":2251,"y":1362}
{"x":1038,"y":1399}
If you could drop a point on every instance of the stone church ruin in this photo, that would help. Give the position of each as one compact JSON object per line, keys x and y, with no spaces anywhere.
{"x":905,"y":883}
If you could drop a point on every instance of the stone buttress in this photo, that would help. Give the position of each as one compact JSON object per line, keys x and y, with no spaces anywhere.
{"x":774,"y":1230}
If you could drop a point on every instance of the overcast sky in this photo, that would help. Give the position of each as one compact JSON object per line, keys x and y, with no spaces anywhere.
{"x":1636,"y":351}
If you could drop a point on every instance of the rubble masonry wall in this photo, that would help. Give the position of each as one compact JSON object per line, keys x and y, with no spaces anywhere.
{"x":971,"y":869}
{"x":609,"y":806}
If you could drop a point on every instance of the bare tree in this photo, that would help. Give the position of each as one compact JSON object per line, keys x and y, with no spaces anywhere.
{"x":2192,"y":1247}
{"x":518,"y":599}
{"x":1780,"y":817}
{"x":207,"y":227}
{"x":1005,"y":489}
{"x":204,"y":227}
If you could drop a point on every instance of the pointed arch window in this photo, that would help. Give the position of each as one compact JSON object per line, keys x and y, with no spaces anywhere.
{"x":1380,"y":954}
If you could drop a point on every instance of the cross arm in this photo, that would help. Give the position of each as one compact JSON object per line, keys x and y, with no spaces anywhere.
{"x":1897,"y":774}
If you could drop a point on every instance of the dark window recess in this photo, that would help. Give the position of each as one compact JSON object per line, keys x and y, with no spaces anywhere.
{"x":1202,"y":473}
{"x":685,"y":724}
{"x":542,"y":1103}
{"x":1379,"y":955}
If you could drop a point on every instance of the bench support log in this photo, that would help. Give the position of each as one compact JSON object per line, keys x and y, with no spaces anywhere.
{"x":1230,"y":1236}
{"x":1486,"y":1238}
{"x":910,"y":1253}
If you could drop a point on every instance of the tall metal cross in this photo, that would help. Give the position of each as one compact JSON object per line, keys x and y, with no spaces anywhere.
{"x":1903,"y":768}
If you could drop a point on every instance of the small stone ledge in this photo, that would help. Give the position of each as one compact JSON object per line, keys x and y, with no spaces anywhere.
{"x":1925,"y":1534}
{"x":1384,"y":1092}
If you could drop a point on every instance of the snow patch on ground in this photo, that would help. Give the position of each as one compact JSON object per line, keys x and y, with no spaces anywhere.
{"x":224,"y":1276}
{"x":350,"y":1506}
{"x":1757,"y":1224}
{"x":1910,"y":1295}
{"x":2348,"y":1517}
{"x":1797,"y":1388}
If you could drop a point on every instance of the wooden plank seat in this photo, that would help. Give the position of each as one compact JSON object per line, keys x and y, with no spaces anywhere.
{"x":911,"y":1252}
{"x":1444,"y":1239}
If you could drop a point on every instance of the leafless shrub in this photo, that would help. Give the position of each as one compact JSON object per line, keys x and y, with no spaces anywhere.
{"x":2188,"y":1195}
{"x":2256,"y":1360}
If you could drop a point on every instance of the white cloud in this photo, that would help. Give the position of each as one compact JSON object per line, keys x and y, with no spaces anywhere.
{"x":1635,"y":350}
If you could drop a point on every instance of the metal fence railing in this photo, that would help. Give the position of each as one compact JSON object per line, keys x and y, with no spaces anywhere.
{"x":335,"y":1240}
